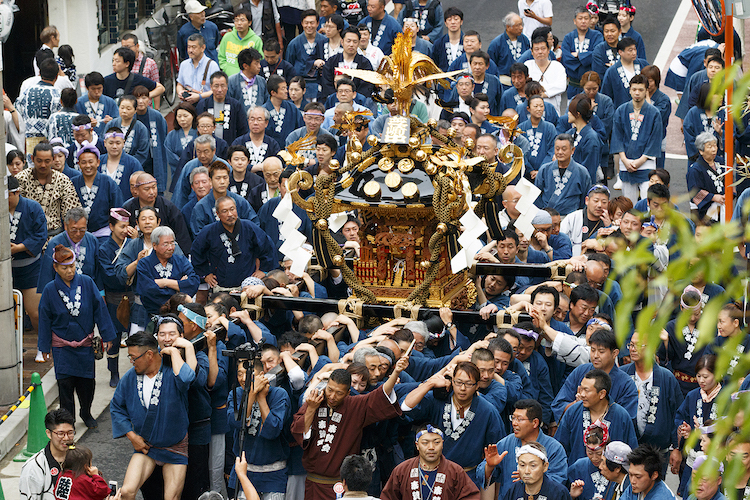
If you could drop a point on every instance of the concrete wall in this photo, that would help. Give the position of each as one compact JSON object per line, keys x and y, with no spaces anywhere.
{"x":77,"y":21}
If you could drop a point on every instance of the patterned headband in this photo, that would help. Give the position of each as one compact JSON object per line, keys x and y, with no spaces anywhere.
{"x":690,"y":288}
{"x":85,"y":126}
{"x":56,"y":150}
{"x":87,"y":148}
{"x":629,"y":10}
{"x":430,"y":430}
{"x":64,"y":263}
{"x":592,"y":7}
{"x":530,"y":449}
{"x":117,"y":214}
{"x":139,"y":184}
{"x":598,"y":322}
{"x":116,"y":135}
{"x":605,"y":435}
{"x":168,"y":319}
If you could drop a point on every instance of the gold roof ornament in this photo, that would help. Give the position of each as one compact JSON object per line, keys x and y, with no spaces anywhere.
{"x":403,"y":71}
{"x":415,"y":197}
{"x":291,"y":155}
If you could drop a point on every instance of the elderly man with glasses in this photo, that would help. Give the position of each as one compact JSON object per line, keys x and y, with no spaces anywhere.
{"x":163,"y":272}
{"x":83,"y":244}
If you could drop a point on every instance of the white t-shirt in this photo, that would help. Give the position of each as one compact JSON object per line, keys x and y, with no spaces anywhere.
{"x":553,"y":79}
{"x":643,"y":387}
{"x":542,"y":8}
{"x":148,"y":388}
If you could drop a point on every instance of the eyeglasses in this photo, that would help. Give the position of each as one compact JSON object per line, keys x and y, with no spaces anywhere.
{"x":466,"y":385}
{"x":514,"y":418}
{"x":632,"y":346}
{"x":76,"y":231}
{"x":134,"y":359}
{"x":64,"y":434}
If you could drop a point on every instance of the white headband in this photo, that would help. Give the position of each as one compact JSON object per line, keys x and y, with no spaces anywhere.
{"x":530,"y":449}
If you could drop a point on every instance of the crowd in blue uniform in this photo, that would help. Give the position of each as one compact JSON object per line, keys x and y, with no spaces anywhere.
{"x":127,"y":224}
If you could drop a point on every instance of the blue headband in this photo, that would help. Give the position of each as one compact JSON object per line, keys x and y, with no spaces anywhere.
{"x":193,"y":316}
{"x":430,"y":430}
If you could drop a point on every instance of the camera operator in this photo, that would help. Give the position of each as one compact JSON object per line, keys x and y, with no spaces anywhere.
{"x":265,"y":447}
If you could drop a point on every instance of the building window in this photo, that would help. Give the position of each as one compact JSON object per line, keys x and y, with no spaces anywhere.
{"x":119,"y":16}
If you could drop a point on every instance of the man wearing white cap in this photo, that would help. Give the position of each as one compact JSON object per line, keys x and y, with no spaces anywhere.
{"x":198,"y":24}
{"x":556,"y":246}
{"x":707,"y":486}
{"x":614,"y":468}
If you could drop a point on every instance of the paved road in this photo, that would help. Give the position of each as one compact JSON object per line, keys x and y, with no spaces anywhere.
{"x":111,"y":456}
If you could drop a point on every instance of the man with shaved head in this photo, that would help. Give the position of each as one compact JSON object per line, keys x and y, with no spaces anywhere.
{"x":261,"y":193}
{"x":145,"y":195}
{"x":509,"y":214}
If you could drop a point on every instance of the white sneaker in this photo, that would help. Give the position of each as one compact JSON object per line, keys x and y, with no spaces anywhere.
{"x":618,"y":182}
{"x":39,"y":357}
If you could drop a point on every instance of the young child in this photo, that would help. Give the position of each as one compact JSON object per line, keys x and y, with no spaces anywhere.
{"x":80,"y":480}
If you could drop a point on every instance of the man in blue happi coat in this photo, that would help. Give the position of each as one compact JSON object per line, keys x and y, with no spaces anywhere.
{"x":75,"y":237}
{"x":604,"y":352}
{"x":226,"y":252}
{"x":594,"y":408}
{"x":527,"y":427}
{"x":155,"y":420}
{"x":646,"y":476}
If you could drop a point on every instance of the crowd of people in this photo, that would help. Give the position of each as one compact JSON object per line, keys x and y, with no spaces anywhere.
{"x":131,"y":233}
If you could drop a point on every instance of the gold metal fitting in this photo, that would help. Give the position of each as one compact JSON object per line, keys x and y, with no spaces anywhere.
{"x":420,"y":155}
{"x":425,"y":264}
{"x":406,"y":165}
{"x":410,"y":191}
{"x":442,"y":228}
{"x":413,"y":142}
{"x":322,"y":224}
{"x":432,"y":122}
{"x":469,"y":143}
{"x":451,"y":133}
{"x":372,"y":189}
{"x":355,"y":157}
{"x":356,"y":145}
{"x":334,"y":165}
{"x":338,"y":260}
{"x":372,"y":140}
{"x":385,"y":164}
{"x":393,"y":180}
{"x":430,"y":168}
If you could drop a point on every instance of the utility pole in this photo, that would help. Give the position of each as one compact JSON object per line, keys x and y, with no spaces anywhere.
{"x":9,"y":362}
